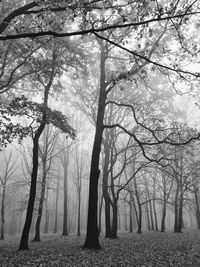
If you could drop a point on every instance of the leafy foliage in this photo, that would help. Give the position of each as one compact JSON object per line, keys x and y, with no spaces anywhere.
{"x":22,"y":107}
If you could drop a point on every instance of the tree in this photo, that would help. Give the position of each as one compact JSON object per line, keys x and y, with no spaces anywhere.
{"x":78,"y":175}
{"x":7,"y":173}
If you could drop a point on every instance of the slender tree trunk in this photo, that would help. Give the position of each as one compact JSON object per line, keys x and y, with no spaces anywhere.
{"x":139,"y":214}
{"x":196,"y":194}
{"x":40,"y":209}
{"x":139,"y":230}
{"x":130,"y":217}
{"x":176,"y":204}
{"x":155,"y":215}
{"x":100,"y":212}
{"x":105,"y":190}
{"x":79,"y":215}
{"x":163,"y":217}
{"x":92,"y":236}
{"x":125,"y":218}
{"x":151,"y":215}
{"x":56,"y":208}
{"x":46,"y":224}
{"x":180,"y":213}
{"x":147,"y":216}
{"x":25,"y":234}
{"x":65,"y":204}
{"x":3,"y":211}
{"x":154,"y":205}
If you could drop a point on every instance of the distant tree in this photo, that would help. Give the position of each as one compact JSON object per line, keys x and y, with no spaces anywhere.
{"x":77,"y":177}
{"x":7,"y":172}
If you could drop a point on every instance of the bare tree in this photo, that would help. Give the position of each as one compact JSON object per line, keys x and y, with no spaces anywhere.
{"x":6,"y":175}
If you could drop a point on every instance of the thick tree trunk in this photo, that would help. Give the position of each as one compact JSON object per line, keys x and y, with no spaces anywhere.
{"x":92,"y":236}
{"x":3,"y":211}
{"x":40,"y":209}
{"x":25,"y":234}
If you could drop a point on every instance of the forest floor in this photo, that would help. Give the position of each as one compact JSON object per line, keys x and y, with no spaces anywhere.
{"x":150,"y":249}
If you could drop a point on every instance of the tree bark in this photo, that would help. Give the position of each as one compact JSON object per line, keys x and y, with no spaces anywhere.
{"x":130,"y":217}
{"x":40,"y":209}
{"x":196,"y":194}
{"x":65,"y":204}
{"x":162,"y":229}
{"x":3,"y":211}
{"x":100,"y":212}
{"x":139,"y":230}
{"x":114,"y":219}
{"x":56,"y":207}
{"x":105,"y":191}
{"x":79,"y":214}
{"x":176,"y":209}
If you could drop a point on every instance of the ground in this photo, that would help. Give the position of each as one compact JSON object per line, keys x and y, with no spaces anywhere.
{"x":150,"y":249}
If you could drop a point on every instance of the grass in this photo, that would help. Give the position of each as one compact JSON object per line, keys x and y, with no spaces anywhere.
{"x":150,"y":249}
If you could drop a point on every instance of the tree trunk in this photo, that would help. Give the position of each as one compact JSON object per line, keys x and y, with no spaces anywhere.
{"x":125,"y":218}
{"x":176,"y":209}
{"x":65,"y":204}
{"x":3,"y":211}
{"x":25,"y":234}
{"x":154,"y":205}
{"x":155,"y":215}
{"x":79,"y":215}
{"x":114,"y":220}
{"x":180,"y":213}
{"x":100,"y":212}
{"x":139,"y":214}
{"x":105,"y":187}
{"x":130,"y":216}
{"x":151,"y":215}
{"x":163,"y":217}
{"x":92,"y":236}
{"x":139,"y":230}
{"x":40,"y":209}
{"x":147,"y":216}
{"x":56,"y":208}
{"x":196,"y":194}
{"x":46,"y":224}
